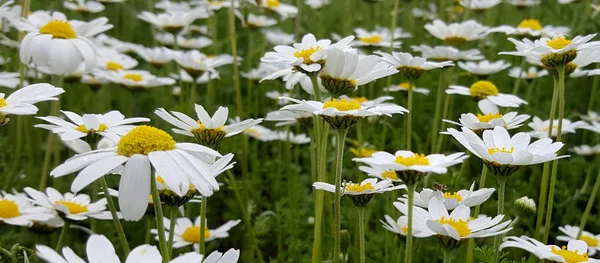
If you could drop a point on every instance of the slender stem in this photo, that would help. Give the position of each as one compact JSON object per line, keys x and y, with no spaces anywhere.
{"x":193,"y":91}
{"x":561,"y":113}
{"x":63,"y":235}
{"x":399,"y":253}
{"x":173,"y":218}
{"x":339,"y":159}
{"x":160,"y":222}
{"x":115,"y":217}
{"x":440,"y":142}
{"x":409,"y":117}
{"x":546,"y":169}
{"x":394,"y":22}
{"x":594,"y":92}
{"x":361,"y":227}
{"x":321,"y":135}
{"x":236,"y":75}
{"x":409,"y":233}
{"x":148,"y":228}
{"x":298,"y":25}
{"x":589,"y":205}
{"x":448,"y":255}
{"x":501,"y":190}
{"x":471,"y":243}
{"x":518,"y":81}
{"x":438,"y":108}
{"x":203,"y":206}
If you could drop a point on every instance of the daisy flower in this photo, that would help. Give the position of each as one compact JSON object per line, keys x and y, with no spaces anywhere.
{"x":278,"y":37}
{"x":84,"y":6}
{"x":531,"y":73}
{"x":196,"y":63}
{"x":442,"y":53}
{"x":479,"y":5}
{"x":380,"y":37}
{"x":187,"y":232}
{"x":409,"y":66}
{"x":16,"y":209}
{"x":404,"y":86}
{"x":121,"y":46}
{"x":572,"y":233}
{"x":575,"y":251}
{"x":591,"y":116}
{"x":202,"y":79}
{"x":91,"y":127}
{"x":258,"y":21}
{"x":157,"y":56}
{"x":523,"y":3}
{"x":292,"y":138}
{"x":261,"y":133}
{"x":490,"y":119}
{"x":285,"y":117}
{"x":263,"y":70}
{"x":487,"y":94}
{"x":71,"y":206}
{"x":95,"y":82}
{"x":376,"y":170}
{"x":139,"y":150}
{"x":400,"y":226}
{"x":207,"y":130}
{"x":110,"y":59}
{"x":360,"y":193}
{"x":317,"y":4}
{"x":594,"y":126}
{"x":136,"y":79}
{"x":587,"y":151}
{"x":451,"y":200}
{"x":231,"y":256}
{"x":457,"y":33}
{"x":9,"y":79}
{"x":284,"y":10}
{"x":484,"y":67}
{"x":168,"y":39}
{"x":344,"y":71}
{"x":540,"y":128}
{"x":575,"y":68}
{"x":429,"y":13}
{"x":503,"y":154}
{"x":531,"y":28}
{"x":173,"y":22}
{"x":21,"y":101}
{"x":275,"y":95}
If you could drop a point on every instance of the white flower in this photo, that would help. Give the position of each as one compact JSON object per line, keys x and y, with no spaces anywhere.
{"x":376,"y":170}
{"x":484,"y":67}
{"x":548,"y":51}
{"x":263,"y":70}
{"x":261,"y":133}
{"x":15,"y":209}
{"x":141,"y":149}
{"x":110,"y":59}
{"x":531,"y":73}
{"x":9,"y":79}
{"x":284,"y":10}
{"x":21,"y":101}
{"x":400,"y":226}
{"x":275,"y":95}
{"x":575,"y":251}
{"x":487,"y":94}
{"x":187,"y":232}
{"x":380,"y":37}
{"x":490,"y":119}
{"x":84,"y":6}
{"x":586,"y":150}
{"x":531,"y":28}
{"x":404,"y":86}
{"x":409,"y":65}
{"x":168,"y":39}
{"x":74,"y":207}
{"x":452,"y":200}
{"x":317,"y":4}
{"x":524,"y":3}
{"x":457,"y":33}
{"x":594,"y":126}
{"x":292,"y":138}
{"x":260,"y":21}
{"x":431,"y":13}
{"x":93,"y":80}
{"x":479,"y":4}
{"x":231,"y":256}
{"x":366,"y":187}
{"x":156,"y":55}
{"x":278,"y":37}
{"x":409,"y":161}
{"x":121,"y":46}
{"x":441,"y":53}
{"x":540,"y":128}
{"x":342,"y":107}
{"x":111,"y":125}
{"x":285,"y":117}
{"x":572,"y":233}
{"x":204,"y":77}
{"x":175,"y":21}
{"x":584,"y":58}
{"x":136,"y":79}
{"x":196,"y":63}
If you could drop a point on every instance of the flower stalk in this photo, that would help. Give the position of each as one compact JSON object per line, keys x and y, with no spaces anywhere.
{"x":409,"y":233}
{"x":160,"y":223}
{"x":203,"y":206}
{"x":589,"y":205}
{"x":361,"y":228}
{"x":115,"y":217}
{"x":339,"y":159}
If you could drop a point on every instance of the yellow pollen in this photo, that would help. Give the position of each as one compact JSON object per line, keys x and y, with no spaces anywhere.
{"x":359,"y":188}
{"x":454,"y":195}
{"x":389,"y":174}
{"x":306,"y":53}
{"x":554,"y":127}
{"x":360,"y":99}
{"x":251,"y":131}
{"x":114,"y":66}
{"x":482,"y":89}
{"x":488,"y":117}
{"x":406,"y":86}
{"x":160,"y":180}
{"x":455,"y":40}
{"x":532,"y":24}
{"x":273,"y":3}
{"x":570,"y":256}
{"x":362,"y":152}
{"x":460,"y":226}
{"x":375,"y":39}
{"x":531,"y":75}
{"x":58,"y":29}
{"x":342,"y":104}
{"x":590,"y":240}
{"x":192,"y":234}
{"x":74,"y":208}
{"x":2,"y":102}
{"x":145,"y":139}
{"x":8,"y":209}
{"x":418,"y":159}
{"x":203,"y":128}
{"x":134,"y":77}
{"x":491,"y":151}
{"x":404,"y":229}
{"x":102,"y":127}
{"x":558,"y":42}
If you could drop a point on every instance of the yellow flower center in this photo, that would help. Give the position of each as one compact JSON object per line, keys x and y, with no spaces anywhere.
{"x":252,"y":132}
{"x":306,"y":53}
{"x":114,"y":66}
{"x":8,"y":209}
{"x":532,"y":24}
{"x":273,"y":3}
{"x":590,"y":240}
{"x":102,"y":127}
{"x":192,"y":234}
{"x":404,"y":229}
{"x":359,"y":188}
{"x":389,"y":174}
{"x":554,"y":128}
{"x":454,"y":195}
{"x":362,"y":152}
{"x":58,"y":29}
{"x":501,"y":149}
{"x":418,"y":159}
{"x":406,"y":86}
{"x":488,"y":117}
{"x":558,"y":42}
{"x":375,"y":39}
{"x":570,"y":256}
{"x":2,"y":102}
{"x":342,"y":104}
{"x":531,"y":75}
{"x":460,"y":226}
{"x":361,"y":99}
{"x":134,"y":77}
{"x":145,"y":139}
{"x":455,"y":40}
{"x":160,"y":180}
{"x":482,"y":89}
{"x":74,"y":208}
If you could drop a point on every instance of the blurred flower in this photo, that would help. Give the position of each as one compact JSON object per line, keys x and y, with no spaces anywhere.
{"x":487,"y":94}
{"x":285,"y":117}
{"x":187,"y":232}
{"x":136,"y":79}
{"x":531,"y":28}
{"x":21,"y":101}
{"x":572,"y":233}
{"x":575,"y":251}
{"x":284,"y":10}
{"x":587,"y":151}
{"x":278,"y":37}
{"x":404,"y":86}
{"x":442,"y":53}
{"x":524,"y":3}
{"x":175,"y":21}
{"x":156,"y":56}
{"x":484,"y":67}
{"x":258,"y":21}
{"x":451,"y":200}
{"x":380,"y":37}
{"x":275,"y":95}
{"x":263,"y":70}
{"x":317,"y":4}
{"x":531,"y":73}
{"x":431,"y":13}
{"x":591,"y":116}
{"x":479,"y":4}
{"x":16,"y":209}
{"x":110,"y":59}
{"x":196,"y":63}
{"x":540,"y":128}
{"x":168,"y":39}
{"x":70,"y":206}
{"x":409,"y":66}
{"x":9,"y":79}
{"x":84,"y":6}
{"x":457,"y":33}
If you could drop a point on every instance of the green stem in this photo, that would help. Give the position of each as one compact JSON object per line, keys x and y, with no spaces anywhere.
{"x":393,"y":26}
{"x":561,"y":113}
{"x":236,"y":74}
{"x":471,"y":243}
{"x":409,"y":233}
{"x":321,"y":135}
{"x":203,"y":206}
{"x":192,"y":100}
{"x":148,"y":228}
{"x":298,"y":26}
{"x":501,"y":190}
{"x":115,"y":217}
{"x":160,"y":222}
{"x":440,"y":142}
{"x":518,"y":81}
{"x":173,"y":218}
{"x":339,"y":159}
{"x":63,"y":235}
{"x":589,"y":205}
{"x":593,"y":92}
{"x":448,"y":255}
{"x":409,"y":117}
{"x":438,"y":108}
{"x":399,"y":253}
{"x":361,"y":227}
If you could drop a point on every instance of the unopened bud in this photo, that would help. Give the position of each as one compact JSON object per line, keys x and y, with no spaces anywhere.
{"x":525,"y":205}
{"x":345,"y":241}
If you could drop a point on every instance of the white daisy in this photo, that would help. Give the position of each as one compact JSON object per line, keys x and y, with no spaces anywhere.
{"x":317,"y":4}
{"x":431,"y":13}
{"x":292,"y":138}
{"x":94,"y":81}
{"x":275,"y":95}
{"x":9,"y":79}
{"x":490,"y":119}
{"x":531,"y":73}
{"x":21,"y":101}
{"x":110,"y":59}
{"x":84,"y":6}
{"x":187,"y":233}
{"x":263,"y":70}
{"x":366,"y":187}
{"x":380,"y":37}
{"x":531,"y":28}
{"x":400,"y":226}
{"x":572,"y":233}
{"x":575,"y":251}
{"x":278,"y":37}
{"x":451,"y":200}
{"x":484,"y":67}
{"x":404,"y":86}
{"x":197,"y":63}
{"x":168,"y":39}
{"x":524,"y":3}
{"x":409,"y":66}
{"x":156,"y":56}
{"x":258,"y":21}
{"x":586,"y":150}
{"x":376,"y":170}
{"x":442,"y":53}
{"x":479,"y":4}
{"x":457,"y":33}
{"x":74,"y":207}
{"x":15,"y":209}
{"x":136,"y":79}
{"x":283,"y":9}
{"x":285,"y":117}
{"x":121,"y":46}
{"x":591,"y":116}
{"x":261,"y":133}
{"x":231,"y":256}
{"x":584,"y":58}
{"x":173,"y":22}
{"x":141,"y":149}
{"x":540,"y":128}
{"x":487,"y":94}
